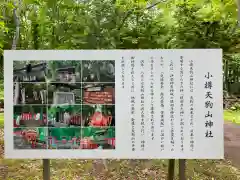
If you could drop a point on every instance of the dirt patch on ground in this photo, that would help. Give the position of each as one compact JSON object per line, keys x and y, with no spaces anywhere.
{"x":232,"y":143}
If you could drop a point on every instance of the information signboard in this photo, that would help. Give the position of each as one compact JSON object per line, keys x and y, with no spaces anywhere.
{"x":155,"y":104}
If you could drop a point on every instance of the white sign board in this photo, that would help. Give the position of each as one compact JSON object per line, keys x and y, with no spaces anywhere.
{"x":168,"y":104}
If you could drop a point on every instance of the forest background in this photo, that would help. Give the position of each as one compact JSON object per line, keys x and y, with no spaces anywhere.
{"x":124,"y":24}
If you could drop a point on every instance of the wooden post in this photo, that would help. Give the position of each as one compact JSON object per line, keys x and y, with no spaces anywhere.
{"x":182,"y":167}
{"x":171,"y":167}
{"x":46,"y":169}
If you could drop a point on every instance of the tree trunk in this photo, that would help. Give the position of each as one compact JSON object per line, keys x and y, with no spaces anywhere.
{"x":14,"y":47}
{"x":226,"y":73}
{"x":17,"y":22}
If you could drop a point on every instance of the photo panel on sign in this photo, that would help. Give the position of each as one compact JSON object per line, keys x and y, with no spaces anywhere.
{"x":64,"y":115}
{"x":30,"y":138}
{"x":98,"y":71}
{"x":81,"y":138}
{"x":64,"y":137}
{"x":98,"y":138}
{"x":64,"y":93}
{"x":98,"y":93}
{"x":98,"y":115}
{"x":30,"y":115}
{"x":29,"y":71}
{"x":30,"y":93}
{"x":65,"y":71}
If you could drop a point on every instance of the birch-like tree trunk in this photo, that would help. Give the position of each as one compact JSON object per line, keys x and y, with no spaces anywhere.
{"x":17,"y":23}
{"x":14,"y":47}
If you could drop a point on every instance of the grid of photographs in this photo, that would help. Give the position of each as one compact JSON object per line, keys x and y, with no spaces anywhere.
{"x":64,"y":104}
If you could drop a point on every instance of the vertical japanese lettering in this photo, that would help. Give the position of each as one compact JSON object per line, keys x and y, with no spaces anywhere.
{"x":152,"y":99}
{"x":133,"y":101}
{"x":181,"y":105}
{"x":123,"y":72}
{"x":172,"y":108}
{"x":142,"y":106}
{"x":208,"y":105}
{"x":191,"y":87}
{"x":162,"y":147}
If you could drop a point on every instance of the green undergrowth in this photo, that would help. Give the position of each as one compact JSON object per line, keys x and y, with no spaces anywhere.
{"x":232,"y":116}
{"x":1,"y":90}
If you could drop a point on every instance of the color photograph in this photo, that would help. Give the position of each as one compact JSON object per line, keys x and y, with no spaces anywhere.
{"x":30,"y":93}
{"x":81,"y":115}
{"x":30,"y":116}
{"x":64,"y":93}
{"x":64,"y":138}
{"x":98,"y":93}
{"x":98,"y":138}
{"x":98,"y":71}
{"x":30,"y":138}
{"x":64,"y":71}
{"x":98,"y":115}
{"x":29,"y":71}
{"x":82,"y":138}
{"x":64,"y":115}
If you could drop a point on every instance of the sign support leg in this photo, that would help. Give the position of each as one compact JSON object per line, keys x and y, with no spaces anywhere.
{"x":171,"y":167}
{"x":46,"y":169}
{"x":182,"y":168}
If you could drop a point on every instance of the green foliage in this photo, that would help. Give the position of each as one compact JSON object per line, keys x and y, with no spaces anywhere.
{"x":125,"y":24}
{"x":1,"y":90}
{"x":235,"y":107}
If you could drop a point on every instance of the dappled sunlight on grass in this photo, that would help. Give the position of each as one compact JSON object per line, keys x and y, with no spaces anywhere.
{"x":232,"y":116}
{"x":123,"y":169}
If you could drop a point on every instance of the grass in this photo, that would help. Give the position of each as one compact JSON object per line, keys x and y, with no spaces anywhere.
{"x":120,"y":169}
{"x":1,"y":120}
{"x":233,"y":116}
{"x":124,"y":169}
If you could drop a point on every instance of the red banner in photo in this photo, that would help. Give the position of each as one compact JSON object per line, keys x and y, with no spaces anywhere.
{"x":99,"y":97}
